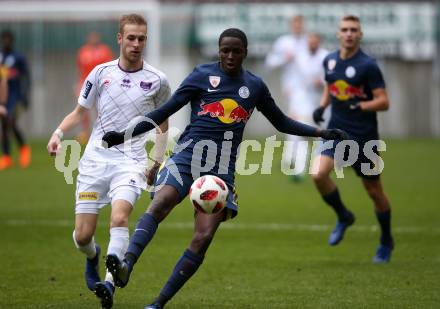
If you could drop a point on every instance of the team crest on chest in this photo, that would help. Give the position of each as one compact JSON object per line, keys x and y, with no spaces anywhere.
{"x":214,"y":80}
{"x":331,"y":64}
{"x":243,"y":92}
{"x":350,"y":72}
{"x":146,"y":85}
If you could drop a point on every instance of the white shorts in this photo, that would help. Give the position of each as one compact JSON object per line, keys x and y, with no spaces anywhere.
{"x":98,"y":184}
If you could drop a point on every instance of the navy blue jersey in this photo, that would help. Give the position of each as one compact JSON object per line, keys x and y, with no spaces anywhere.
{"x":17,"y":77}
{"x":351,"y":81}
{"x":221,"y":103}
{"x":220,"y":107}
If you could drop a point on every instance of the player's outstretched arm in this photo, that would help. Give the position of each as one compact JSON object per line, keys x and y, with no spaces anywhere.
{"x":150,"y":121}
{"x":287,"y":125}
{"x":69,"y":122}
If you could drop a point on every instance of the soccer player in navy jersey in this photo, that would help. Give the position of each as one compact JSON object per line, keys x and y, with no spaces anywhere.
{"x":18,"y":79}
{"x":222,"y":96}
{"x":356,"y":90}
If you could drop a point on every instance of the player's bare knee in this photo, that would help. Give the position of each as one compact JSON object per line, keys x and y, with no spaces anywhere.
{"x":320,"y":177}
{"x":83,"y":238}
{"x":161,"y":206}
{"x":201,"y":241}
{"x":119,"y":220}
{"x":202,"y":238}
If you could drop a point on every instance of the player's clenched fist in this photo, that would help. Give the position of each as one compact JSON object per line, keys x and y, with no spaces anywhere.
{"x":317,"y":114}
{"x":54,"y":145}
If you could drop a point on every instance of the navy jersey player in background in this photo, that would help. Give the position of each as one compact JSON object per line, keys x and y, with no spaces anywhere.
{"x":356,"y":91}
{"x":19,"y":92}
{"x":222,"y":97}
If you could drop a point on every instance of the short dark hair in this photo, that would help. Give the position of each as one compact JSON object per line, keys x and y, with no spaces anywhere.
{"x":133,"y":19}
{"x":351,"y":18}
{"x":235,"y":33}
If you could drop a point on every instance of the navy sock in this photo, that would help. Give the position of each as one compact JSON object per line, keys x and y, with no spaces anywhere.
{"x":187,"y":265}
{"x":384,"y":219}
{"x":334,"y":200}
{"x":143,"y":233}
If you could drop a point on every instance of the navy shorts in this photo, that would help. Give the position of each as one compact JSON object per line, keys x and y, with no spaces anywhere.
{"x":362,"y":158}
{"x":180,"y":177}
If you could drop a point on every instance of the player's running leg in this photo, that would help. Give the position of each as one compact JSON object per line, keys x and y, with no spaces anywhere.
{"x":322,"y":166}
{"x":6,"y":159}
{"x":25,"y":150}
{"x":383,"y":215}
{"x":123,"y":199}
{"x":85,"y":226}
{"x":163,"y":202}
{"x":205,"y":227}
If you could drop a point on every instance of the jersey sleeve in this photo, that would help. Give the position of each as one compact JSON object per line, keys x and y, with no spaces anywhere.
{"x":374,"y":76}
{"x":188,"y":89}
{"x":324,"y":68}
{"x":164,"y":92}
{"x":87,"y":96}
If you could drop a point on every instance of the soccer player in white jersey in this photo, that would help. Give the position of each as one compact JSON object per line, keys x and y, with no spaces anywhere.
{"x":283,"y":54}
{"x":122,"y":89}
{"x":305,"y":99}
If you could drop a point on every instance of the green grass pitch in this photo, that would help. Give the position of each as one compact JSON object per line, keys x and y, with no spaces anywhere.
{"x":273,"y":255}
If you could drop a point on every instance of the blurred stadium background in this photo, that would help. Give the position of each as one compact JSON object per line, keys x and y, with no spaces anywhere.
{"x":274,"y":255}
{"x":402,"y":35}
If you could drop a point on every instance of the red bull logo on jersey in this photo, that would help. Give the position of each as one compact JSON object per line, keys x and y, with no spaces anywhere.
{"x":226,"y":110}
{"x":343,"y":91}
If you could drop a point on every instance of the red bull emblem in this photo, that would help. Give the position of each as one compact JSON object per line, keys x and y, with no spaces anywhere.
{"x":226,"y":110}
{"x":239,"y":114}
{"x":343,"y":91}
{"x":214,"y":109}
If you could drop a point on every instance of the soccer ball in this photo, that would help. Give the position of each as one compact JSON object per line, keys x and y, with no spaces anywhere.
{"x":208,"y":194}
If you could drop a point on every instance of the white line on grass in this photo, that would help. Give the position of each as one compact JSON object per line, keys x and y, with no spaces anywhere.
{"x":241,"y":226}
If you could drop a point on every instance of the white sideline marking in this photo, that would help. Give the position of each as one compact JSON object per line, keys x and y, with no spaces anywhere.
{"x":241,"y":226}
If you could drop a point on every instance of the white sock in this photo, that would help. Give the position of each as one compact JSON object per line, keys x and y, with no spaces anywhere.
{"x":118,"y":244}
{"x":89,"y":249}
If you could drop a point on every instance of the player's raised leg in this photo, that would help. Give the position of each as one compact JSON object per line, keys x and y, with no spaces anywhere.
{"x":383,"y":214}
{"x":85,"y":226}
{"x":322,"y":166}
{"x":204,"y":230}
{"x":163,"y":202}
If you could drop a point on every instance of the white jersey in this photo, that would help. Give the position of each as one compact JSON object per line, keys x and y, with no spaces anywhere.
{"x":284,"y":52}
{"x":120,"y":96}
{"x":311,"y":79}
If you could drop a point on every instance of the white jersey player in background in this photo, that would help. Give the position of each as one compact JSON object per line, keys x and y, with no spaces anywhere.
{"x":121,"y":90}
{"x":301,"y":58}
{"x":306,"y":99}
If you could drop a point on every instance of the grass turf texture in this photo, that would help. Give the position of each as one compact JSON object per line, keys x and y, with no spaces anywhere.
{"x":273,"y":255}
